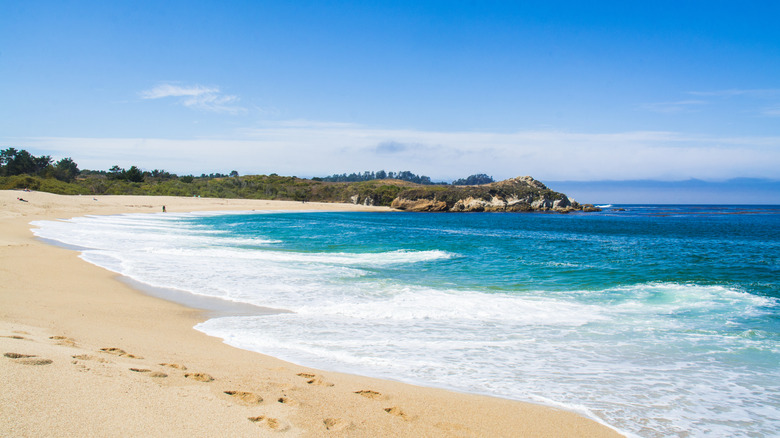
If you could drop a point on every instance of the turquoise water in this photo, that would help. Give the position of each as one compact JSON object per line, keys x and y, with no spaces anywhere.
{"x":657,"y":320}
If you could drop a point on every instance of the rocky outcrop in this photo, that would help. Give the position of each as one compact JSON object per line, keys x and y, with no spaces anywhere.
{"x":368,"y":201}
{"x":515,"y":195}
{"x":419,"y":204}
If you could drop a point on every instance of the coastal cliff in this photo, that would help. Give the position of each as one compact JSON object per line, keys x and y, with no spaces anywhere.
{"x":521,"y":194}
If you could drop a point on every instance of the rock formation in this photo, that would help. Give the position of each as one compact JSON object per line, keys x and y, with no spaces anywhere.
{"x":517,"y":194}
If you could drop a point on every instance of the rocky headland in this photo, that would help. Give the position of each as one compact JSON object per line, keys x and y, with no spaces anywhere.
{"x":521,"y":194}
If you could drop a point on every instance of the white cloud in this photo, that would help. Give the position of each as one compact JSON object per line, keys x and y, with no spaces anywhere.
{"x":772,"y":111}
{"x":749,"y":97}
{"x":196,"y":96}
{"x":673,"y":107}
{"x":318,"y":149}
{"x":300,"y":123}
{"x":757,"y":92}
{"x":171,"y":90}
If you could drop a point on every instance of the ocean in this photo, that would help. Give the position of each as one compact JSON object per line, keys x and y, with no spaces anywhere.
{"x":655,"y":320}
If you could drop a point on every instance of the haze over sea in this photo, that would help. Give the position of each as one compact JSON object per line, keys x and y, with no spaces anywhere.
{"x":658,"y":320}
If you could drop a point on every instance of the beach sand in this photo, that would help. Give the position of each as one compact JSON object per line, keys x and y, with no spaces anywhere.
{"x":86,"y":355}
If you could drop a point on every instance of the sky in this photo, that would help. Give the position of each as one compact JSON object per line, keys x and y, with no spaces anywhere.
{"x":559,"y":90}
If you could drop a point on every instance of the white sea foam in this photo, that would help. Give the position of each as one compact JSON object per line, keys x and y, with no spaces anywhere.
{"x":421,"y":304}
{"x":552,"y":349}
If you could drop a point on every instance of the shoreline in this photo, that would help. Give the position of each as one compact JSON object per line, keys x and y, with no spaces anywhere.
{"x":210,"y":307}
{"x":57,"y":307}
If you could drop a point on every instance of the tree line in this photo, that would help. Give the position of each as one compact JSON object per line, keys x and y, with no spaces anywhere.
{"x":405,"y":175}
{"x":15,"y":162}
{"x":20,"y":162}
{"x":474,"y":180}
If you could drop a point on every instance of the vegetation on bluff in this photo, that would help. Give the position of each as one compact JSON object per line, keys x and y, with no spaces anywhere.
{"x":247,"y":187}
{"x":21,"y":170}
{"x":474,"y":180}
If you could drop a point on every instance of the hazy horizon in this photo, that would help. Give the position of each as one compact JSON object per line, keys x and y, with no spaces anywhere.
{"x":738,"y":191}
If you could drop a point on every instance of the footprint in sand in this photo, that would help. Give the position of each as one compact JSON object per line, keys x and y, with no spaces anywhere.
{"x":367,"y":393}
{"x":174,"y":365}
{"x":319,"y":382}
{"x":80,"y":367}
{"x":119,"y":352}
{"x":151,"y":374}
{"x":17,"y":355}
{"x":335,"y":424}
{"x":287,"y":401}
{"x":35,"y":361}
{"x":246,"y":398}
{"x":64,"y":340}
{"x":28,"y":359}
{"x":16,"y":336}
{"x":395,"y":410}
{"x":270,"y":423}
{"x":92,"y":358}
{"x":313,"y":379}
{"x":200,"y":377}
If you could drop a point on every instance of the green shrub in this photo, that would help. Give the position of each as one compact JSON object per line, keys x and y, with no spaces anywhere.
{"x":20,"y":182}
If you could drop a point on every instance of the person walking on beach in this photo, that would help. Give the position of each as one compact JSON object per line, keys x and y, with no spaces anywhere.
{"x":163,"y":209}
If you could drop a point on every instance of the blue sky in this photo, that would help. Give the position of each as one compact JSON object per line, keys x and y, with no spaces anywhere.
{"x":562,"y":91}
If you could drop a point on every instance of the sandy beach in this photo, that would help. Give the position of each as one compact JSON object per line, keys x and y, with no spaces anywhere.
{"x":87,"y":355}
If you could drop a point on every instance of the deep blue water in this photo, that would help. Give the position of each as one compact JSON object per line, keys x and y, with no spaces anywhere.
{"x":656,"y":320}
